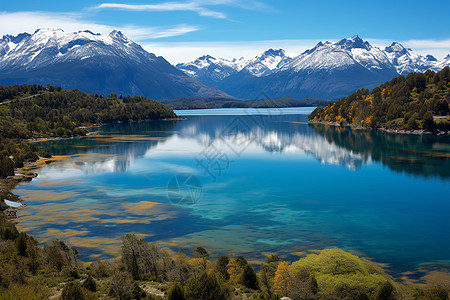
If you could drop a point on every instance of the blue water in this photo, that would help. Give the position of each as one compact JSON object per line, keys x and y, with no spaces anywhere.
{"x":249,"y":184}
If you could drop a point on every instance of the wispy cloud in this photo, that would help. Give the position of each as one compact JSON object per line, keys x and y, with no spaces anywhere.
{"x":201,"y":7}
{"x":29,"y":21}
{"x":167,"y":6}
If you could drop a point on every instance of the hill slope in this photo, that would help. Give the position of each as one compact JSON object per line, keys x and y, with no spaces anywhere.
{"x":404,"y":103}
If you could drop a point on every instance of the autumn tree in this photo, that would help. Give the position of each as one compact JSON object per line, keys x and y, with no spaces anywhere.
{"x":282,"y":280}
{"x":201,"y":253}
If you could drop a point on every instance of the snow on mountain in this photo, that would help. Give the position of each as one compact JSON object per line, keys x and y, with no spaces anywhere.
{"x":209,"y":69}
{"x":324,"y":56}
{"x":407,"y":61}
{"x":94,"y":63}
{"x":340,"y":55}
{"x":48,"y":46}
{"x":327,"y":71}
{"x":444,"y":63}
{"x":266,"y":63}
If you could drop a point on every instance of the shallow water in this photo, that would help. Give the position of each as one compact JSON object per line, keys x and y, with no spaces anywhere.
{"x":249,"y":185}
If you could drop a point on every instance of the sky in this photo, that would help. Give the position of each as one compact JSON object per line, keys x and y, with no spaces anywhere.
{"x":182,"y":30}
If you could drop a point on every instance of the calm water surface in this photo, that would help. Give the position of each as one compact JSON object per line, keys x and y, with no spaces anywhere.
{"x":247,"y":184}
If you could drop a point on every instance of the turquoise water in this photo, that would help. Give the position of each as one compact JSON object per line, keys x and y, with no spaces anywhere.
{"x":240,"y":183}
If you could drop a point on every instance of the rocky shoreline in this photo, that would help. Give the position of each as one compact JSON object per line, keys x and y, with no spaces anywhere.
{"x":388,"y":130}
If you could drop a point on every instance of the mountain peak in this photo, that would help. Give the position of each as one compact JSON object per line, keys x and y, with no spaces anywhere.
{"x":430,"y":58}
{"x":48,"y":31}
{"x":353,"y":42}
{"x":272,"y":52}
{"x":356,"y":38}
{"x":206,"y":57}
{"x":118,"y":35}
{"x":396,"y":47}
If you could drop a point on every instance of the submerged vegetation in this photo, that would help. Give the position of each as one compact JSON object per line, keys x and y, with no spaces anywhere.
{"x":34,"y":111}
{"x":145,"y":271}
{"x":415,"y":102}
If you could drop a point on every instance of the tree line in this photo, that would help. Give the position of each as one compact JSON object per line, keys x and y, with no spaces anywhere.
{"x":417,"y":101}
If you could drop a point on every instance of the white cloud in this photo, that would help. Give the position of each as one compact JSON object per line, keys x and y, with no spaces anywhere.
{"x":167,"y":6}
{"x":198,"y":6}
{"x":18,"y":22}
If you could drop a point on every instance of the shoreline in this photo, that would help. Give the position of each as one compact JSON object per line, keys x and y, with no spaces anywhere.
{"x":383,"y":129}
{"x":26,"y":173}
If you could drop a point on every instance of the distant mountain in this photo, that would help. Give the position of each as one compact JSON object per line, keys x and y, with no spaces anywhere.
{"x":266,"y":63}
{"x":93,"y":63}
{"x":210,"y":70}
{"x":407,"y":61}
{"x":327,"y":71}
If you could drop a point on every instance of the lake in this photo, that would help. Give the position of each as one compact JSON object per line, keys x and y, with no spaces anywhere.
{"x":246,"y":182}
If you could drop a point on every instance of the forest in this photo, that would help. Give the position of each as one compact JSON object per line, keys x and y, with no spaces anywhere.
{"x":146,"y":271}
{"x":204,"y":103}
{"x":33,"y":111}
{"x":415,"y":102}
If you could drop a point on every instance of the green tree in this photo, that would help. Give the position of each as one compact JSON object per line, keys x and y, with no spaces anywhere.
{"x":206,"y":287}
{"x":220,"y":267}
{"x":385,"y":292}
{"x":249,"y":278}
{"x":176,"y":293}
{"x":90,"y":284}
{"x":428,"y":122}
{"x":200,"y":252}
{"x":72,"y":291}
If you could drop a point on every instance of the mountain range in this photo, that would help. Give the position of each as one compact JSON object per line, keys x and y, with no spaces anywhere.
{"x":329,"y":70}
{"x":106,"y":63}
{"x":93,"y":63}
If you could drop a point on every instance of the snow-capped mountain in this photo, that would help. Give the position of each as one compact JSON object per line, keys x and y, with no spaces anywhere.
{"x":407,"y":61}
{"x":340,"y":55}
{"x":445,"y":62}
{"x":266,"y":63}
{"x":329,"y":70}
{"x":210,"y":70}
{"x":94,"y":63}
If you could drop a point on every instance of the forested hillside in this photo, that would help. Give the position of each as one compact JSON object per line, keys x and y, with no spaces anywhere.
{"x":415,"y":102}
{"x":203,"y":103}
{"x":34,"y":111}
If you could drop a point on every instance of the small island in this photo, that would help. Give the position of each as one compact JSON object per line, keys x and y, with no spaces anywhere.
{"x":417,"y":103}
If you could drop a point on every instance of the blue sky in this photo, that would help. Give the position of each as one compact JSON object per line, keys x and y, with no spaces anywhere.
{"x":184,"y":29}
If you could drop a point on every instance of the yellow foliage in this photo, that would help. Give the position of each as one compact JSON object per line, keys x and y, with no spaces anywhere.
{"x":199,"y":262}
{"x":234,"y":269}
{"x":367,"y":121}
{"x":282,"y":280}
